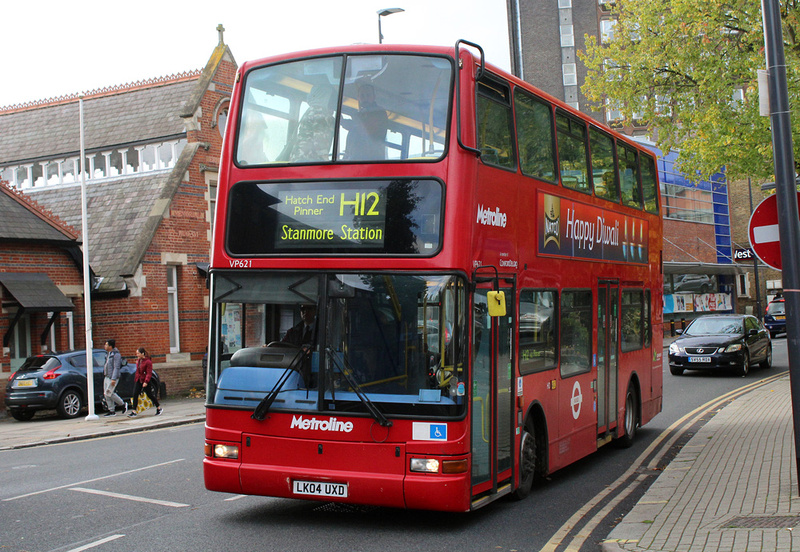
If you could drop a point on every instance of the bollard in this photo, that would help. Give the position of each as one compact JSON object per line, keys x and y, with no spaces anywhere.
{"x":672,"y":327}
{"x":683,"y":324}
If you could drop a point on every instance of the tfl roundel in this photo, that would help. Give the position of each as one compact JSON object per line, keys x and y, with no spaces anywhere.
{"x":764,"y":233}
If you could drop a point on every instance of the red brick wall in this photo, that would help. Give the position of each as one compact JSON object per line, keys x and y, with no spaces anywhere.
{"x":183,"y":234}
{"x":62,"y":270}
{"x":182,"y":238}
{"x":682,"y":242}
{"x":181,"y":378}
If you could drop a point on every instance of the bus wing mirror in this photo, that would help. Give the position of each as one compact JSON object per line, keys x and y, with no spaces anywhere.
{"x":497,"y":303}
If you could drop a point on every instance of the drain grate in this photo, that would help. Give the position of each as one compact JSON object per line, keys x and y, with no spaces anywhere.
{"x":762,"y":522}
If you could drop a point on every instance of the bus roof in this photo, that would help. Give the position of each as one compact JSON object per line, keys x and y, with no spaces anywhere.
{"x":437,"y":50}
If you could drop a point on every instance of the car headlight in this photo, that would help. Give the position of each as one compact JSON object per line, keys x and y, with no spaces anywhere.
{"x":733,"y":348}
{"x":674,"y":349}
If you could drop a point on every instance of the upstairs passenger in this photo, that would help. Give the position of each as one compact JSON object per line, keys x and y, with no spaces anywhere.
{"x":316,"y":128}
{"x":366,"y":138}
{"x":253,"y":140}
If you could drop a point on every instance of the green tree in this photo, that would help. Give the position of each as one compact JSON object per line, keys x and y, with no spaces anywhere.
{"x":678,"y":65}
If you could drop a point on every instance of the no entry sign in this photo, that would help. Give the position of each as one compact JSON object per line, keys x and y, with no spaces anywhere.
{"x":765,"y":238}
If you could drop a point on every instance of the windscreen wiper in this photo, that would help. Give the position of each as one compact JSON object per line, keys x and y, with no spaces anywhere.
{"x":263,"y":407}
{"x":348,"y":375}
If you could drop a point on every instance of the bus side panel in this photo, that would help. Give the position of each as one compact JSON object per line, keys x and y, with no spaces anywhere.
{"x":651,"y":403}
{"x":449,"y":493}
{"x":221,"y":475}
{"x":577,"y":421}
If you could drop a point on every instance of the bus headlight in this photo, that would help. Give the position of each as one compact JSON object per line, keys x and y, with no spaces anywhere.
{"x":425,"y":465}
{"x":222,"y":451}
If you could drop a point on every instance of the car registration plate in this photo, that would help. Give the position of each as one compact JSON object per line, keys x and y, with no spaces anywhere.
{"x":700,"y":360}
{"x":780,"y":318}
{"x":316,"y":488}
{"x":25,"y":383}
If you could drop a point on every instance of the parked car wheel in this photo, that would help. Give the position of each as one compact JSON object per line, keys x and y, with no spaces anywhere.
{"x":744,"y":369}
{"x":70,"y":404}
{"x":675,"y":371}
{"x":766,"y":364}
{"x":23,"y":415}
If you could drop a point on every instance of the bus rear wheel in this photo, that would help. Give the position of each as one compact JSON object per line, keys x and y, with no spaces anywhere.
{"x":527,"y":461}
{"x":631,"y":419}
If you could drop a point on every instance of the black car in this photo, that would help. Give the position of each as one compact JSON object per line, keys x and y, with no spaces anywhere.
{"x":58,"y":381}
{"x":721,"y":342}
{"x":775,"y":316}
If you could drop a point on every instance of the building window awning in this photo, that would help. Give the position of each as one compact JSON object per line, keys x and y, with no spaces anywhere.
{"x":34,"y":292}
{"x":702,"y":268}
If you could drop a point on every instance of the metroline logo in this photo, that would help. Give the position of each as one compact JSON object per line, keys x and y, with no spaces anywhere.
{"x":487,"y":217}
{"x":298,"y":422}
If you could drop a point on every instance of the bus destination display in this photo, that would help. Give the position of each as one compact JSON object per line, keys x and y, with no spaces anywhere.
{"x":400,"y":216}
{"x":317,"y":217}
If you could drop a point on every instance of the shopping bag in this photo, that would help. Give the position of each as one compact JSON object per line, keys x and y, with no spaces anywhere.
{"x":144,"y":403}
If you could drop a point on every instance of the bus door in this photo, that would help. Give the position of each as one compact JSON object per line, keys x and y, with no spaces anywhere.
{"x":492,"y":396}
{"x":607,"y":359}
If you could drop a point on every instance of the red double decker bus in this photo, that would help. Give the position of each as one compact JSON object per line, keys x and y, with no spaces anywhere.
{"x":430,"y":282}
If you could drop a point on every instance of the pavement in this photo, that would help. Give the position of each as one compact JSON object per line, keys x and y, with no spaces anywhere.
{"x":732,"y":487}
{"x":47,"y":429}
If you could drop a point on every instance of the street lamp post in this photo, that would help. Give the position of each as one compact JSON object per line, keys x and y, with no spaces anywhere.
{"x":381,"y":13}
{"x":759,"y":312}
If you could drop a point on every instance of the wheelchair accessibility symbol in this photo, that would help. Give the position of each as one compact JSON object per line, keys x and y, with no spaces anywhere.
{"x":429,"y":432}
{"x":438,"y":432}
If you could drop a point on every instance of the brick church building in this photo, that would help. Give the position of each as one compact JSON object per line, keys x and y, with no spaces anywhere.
{"x":152,"y":150}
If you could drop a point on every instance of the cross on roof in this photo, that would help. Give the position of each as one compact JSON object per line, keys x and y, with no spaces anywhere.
{"x":221,"y":30}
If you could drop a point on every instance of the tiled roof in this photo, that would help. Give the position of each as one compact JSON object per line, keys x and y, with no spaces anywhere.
{"x":22,"y":219}
{"x":122,"y":117}
{"x":124,"y":214}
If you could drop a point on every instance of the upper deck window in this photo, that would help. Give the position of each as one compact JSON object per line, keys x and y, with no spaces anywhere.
{"x":629,"y":176}
{"x":604,"y":173}
{"x":535,"y":135}
{"x":495,"y":126}
{"x":345,"y":108}
{"x":572,"y":153}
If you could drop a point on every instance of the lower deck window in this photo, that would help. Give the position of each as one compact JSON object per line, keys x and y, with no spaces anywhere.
{"x":632,"y":320}
{"x":576,"y":332}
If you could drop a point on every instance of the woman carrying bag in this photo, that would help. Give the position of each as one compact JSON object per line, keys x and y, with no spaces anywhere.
{"x":144,"y":371}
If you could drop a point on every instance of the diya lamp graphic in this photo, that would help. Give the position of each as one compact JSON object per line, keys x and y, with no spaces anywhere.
{"x":552,"y":221}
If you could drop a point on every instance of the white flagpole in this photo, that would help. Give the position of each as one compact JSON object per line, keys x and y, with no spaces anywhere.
{"x":87,"y":284}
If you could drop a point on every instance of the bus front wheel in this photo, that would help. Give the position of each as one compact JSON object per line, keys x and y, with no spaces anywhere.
{"x":527,"y":461}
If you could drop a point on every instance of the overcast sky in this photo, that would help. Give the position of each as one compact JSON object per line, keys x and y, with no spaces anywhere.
{"x":55,"y":48}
